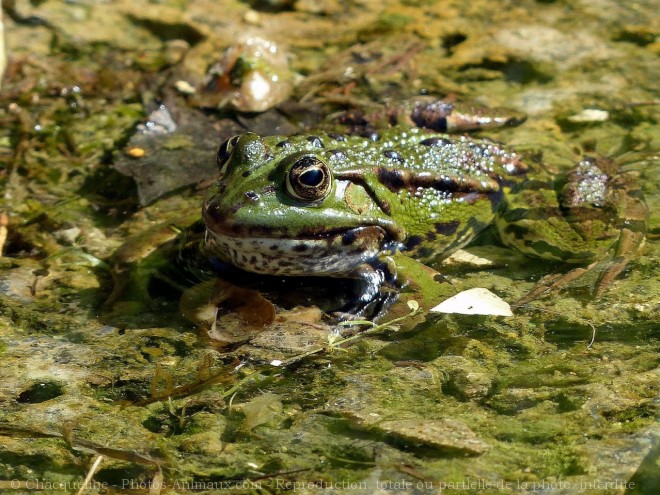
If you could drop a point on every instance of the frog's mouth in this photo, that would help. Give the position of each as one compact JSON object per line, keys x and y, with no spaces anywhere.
{"x":330,"y":252}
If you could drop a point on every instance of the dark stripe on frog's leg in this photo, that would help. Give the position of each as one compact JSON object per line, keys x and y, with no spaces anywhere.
{"x":546,"y":250}
{"x":528,"y":214}
{"x":431,"y":252}
{"x":476,"y":118}
{"x":447,"y":228}
{"x":432,"y":115}
{"x":470,"y":230}
{"x":540,"y":213}
{"x":412,"y":242}
{"x":546,"y":233}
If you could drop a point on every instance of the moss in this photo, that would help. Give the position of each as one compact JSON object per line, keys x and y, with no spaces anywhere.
{"x":388,"y":22}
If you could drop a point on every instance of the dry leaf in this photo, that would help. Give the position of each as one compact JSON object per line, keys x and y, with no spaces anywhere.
{"x":477,"y":301}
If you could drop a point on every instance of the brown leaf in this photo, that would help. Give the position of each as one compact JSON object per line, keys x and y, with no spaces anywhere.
{"x":229,"y":313}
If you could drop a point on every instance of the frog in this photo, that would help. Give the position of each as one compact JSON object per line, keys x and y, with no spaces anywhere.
{"x":342,"y":204}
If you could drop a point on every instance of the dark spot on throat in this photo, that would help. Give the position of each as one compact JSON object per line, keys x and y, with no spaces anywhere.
{"x":348,"y":238}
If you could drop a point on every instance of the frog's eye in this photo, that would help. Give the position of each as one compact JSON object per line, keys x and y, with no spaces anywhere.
{"x":224,"y":152}
{"x":309,"y":179}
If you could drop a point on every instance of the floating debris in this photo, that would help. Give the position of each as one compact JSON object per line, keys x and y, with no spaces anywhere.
{"x":477,"y":301}
{"x":253,"y":76}
{"x":136,"y":152}
{"x":160,"y":122}
{"x":228,"y":314}
{"x":462,"y":257}
{"x":4,"y":221}
{"x":184,"y":87}
{"x":589,"y":115}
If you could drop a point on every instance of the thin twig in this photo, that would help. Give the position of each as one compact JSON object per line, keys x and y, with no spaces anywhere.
{"x":593,"y":334}
{"x":90,"y":474}
{"x":4,"y":220}
{"x":543,"y":310}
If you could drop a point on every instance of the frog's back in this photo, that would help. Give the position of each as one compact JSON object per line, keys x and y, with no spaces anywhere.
{"x":443,"y":189}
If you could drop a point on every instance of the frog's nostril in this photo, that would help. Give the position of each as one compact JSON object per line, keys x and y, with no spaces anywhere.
{"x":252,"y":196}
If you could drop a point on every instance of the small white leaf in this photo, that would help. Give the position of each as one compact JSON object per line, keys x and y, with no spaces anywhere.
{"x":478,"y":301}
{"x":590,"y":115}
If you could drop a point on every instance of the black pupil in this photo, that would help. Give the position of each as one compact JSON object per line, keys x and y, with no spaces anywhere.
{"x":312,"y":177}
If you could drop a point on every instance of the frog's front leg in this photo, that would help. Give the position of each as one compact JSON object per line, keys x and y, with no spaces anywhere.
{"x":390,"y":281}
{"x":370,"y":279}
{"x":597,"y":218}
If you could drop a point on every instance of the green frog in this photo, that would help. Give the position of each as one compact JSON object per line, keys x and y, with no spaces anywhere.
{"x":338,"y":204}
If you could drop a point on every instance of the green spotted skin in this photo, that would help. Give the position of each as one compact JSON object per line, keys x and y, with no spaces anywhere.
{"x":592,"y":213}
{"x":329,"y":204}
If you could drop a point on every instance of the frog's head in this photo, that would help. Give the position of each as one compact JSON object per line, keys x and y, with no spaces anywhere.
{"x":277,"y":208}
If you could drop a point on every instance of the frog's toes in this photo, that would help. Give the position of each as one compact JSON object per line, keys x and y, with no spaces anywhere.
{"x":608,"y":274}
{"x":369,"y":283}
{"x":629,"y":242}
{"x":606,"y":270}
{"x":550,"y":284}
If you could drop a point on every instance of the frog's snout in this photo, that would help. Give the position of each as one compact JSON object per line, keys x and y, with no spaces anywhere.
{"x":215,"y":215}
